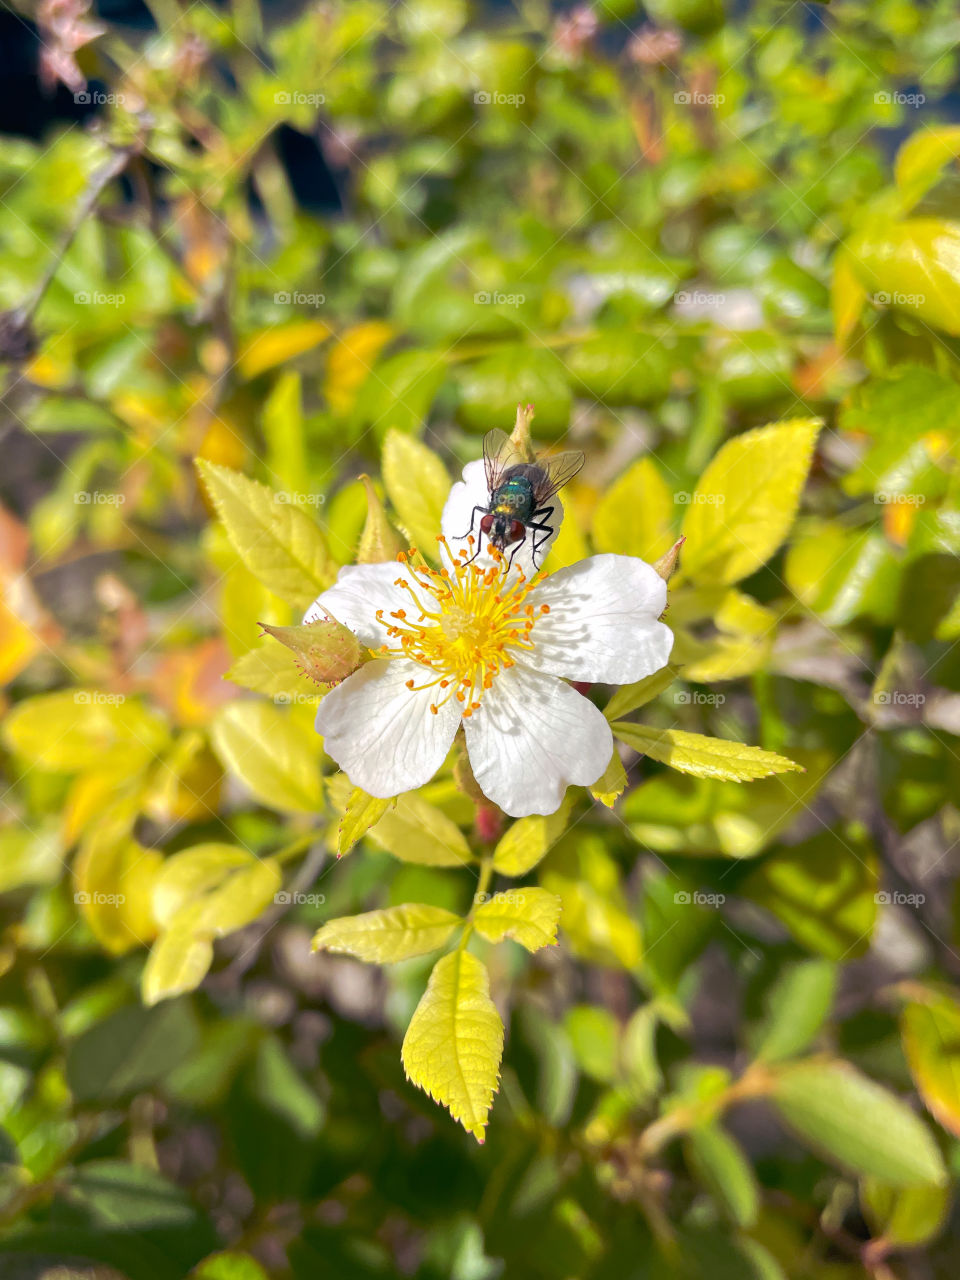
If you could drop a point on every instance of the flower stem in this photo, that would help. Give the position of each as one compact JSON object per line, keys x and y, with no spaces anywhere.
{"x":483,"y":883}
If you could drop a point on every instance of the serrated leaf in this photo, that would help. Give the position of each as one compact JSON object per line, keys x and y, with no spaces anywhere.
{"x":635,"y":515}
{"x":529,"y":916}
{"x":276,"y":539}
{"x":416,"y":831}
{"x":362,"y":812}
{"x":273,"y":670}
{"x":528,"y":840}
{"x":701,"y":756}
{"x":454,"y":1043}
{"x":417,"y":484}
{"x":746,"y":500}
{"x":631,"y":696}
{"x":611,"y":785}
{"x":274,"y":756}
{"x":857,"y":1123}
{"x":930,"y":1032}
{"x":395,"y":933}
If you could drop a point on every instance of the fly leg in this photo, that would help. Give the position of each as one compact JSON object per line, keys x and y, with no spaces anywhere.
{"x":543,"y":528}
{"x":473,"y":516}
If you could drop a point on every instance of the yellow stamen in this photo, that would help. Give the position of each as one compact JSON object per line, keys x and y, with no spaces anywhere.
{"x":470,"y":623}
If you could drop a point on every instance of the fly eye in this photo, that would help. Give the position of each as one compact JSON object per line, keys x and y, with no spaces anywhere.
{"x":516,"y":531}
{"x":486,"y":524}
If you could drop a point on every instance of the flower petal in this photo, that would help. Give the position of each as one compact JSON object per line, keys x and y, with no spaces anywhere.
{"x":359,"y":591}
{"x":531,"y":737}
{"x":382,"y":734}
{"x":602,"y":625}
{"x":472,"y":492}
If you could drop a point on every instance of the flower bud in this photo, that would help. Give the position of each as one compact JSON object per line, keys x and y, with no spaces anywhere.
{"x":324,"y":651}
{"x":666,"y":565}
{"x":520,"y":436}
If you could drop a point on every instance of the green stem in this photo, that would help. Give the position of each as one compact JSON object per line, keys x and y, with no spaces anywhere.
{"x":296,"y":847}
{"x":483,"y":883}
{"x":753,"y":1084}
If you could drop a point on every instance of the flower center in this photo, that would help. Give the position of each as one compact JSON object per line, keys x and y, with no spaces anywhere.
{"x":466,"y":624}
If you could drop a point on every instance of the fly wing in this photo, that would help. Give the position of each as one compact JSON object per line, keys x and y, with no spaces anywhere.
{"x":556,"y":472}
{"x":499,"y":454}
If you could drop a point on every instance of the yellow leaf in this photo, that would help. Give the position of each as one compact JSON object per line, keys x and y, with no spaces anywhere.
{"x":272,"y":669}
{"x":847,"y":297}
{"x":65,"y":731}
{"x":272,"y":754}
{"x":570,"y":546}
{"x":923,"y":156}
{"x":415,"y":831}
{"x":527,"y":840}
{"x":277,"y":541}
{"x":702,"y":756}
{"x":396,"y":933}
{"x":930,"y":1032}
{"x":191,"y":874}
{"x":746,"y":501}
{"x":185,"y":786}
{"x":92,"y":792}
{"x":635,"y":516}
{"x":279,"y":343}
{"x":29,"y":857}
{"x":351,"y":360}
{"x":631,"y":696}
{"x":597,"y":924}
{"x":454,"y":1043}
{"x":113,"y":877}
{"x":18,"y":644}
{"x":178,"y":962}
{"x":529,"y":916}
{"x":361,"y":813}
{"x":612,"y":784}
{"x":417,"y":484}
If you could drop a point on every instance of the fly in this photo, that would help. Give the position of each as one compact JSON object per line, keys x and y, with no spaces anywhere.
{"x":520,"y":494}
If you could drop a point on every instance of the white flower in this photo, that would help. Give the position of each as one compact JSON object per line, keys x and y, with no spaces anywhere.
{"x":471,"y":643}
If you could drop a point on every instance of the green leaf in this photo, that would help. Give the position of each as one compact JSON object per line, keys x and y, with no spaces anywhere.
{"x":797,"y":1007}
{"x":190,"y":874}
{"x":272,"y":754}
{"x":595,"y":1037}
{"x":527,"y":840}
{"x":746,"y":501}
{"x":130,"y":1050}
{"x":622,"y":366}
{"x":856,"y":1123}
{"x":399,"y":391}
{"x":529,"y":916}
{"x":30,"y":856}
{"x":454,"y":1043}
{"x":904,"y":1216}
{"x":276,"y":539}
{"x":416,"y":831}
{"x":930,"y":1032}
{"x":718,"y":1162}
{"x":395,"y":933}
{"x":702,"y":756}
{"x":228,"y":1266}
{"x":914,"y":264}
{"x":922,"y":158}
{"x":631,"y":696}
{"x":823,"y":890}
{"x":67,"y":730}
{"x":362,"y":812}
{"x":417,"y":484}
{"x":635,"y":515}
{"x":179,"y":961}
{"x":491,"y":388}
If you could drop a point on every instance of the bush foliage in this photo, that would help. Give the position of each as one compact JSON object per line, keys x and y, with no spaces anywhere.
{"x":262,"y":299}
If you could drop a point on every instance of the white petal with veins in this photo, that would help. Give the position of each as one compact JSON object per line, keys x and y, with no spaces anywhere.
{"x":531,"y":738}
{"x":382,"y":734}
{"x":602,"y":625}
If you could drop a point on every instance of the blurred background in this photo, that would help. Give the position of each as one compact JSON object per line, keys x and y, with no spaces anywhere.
{"x":269,"y":234}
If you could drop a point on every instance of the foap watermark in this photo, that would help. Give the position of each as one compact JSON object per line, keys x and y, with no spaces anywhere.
{"x":84,"y":899}
{"x":697,"y":898}
{"x":494,"y":98}
{"x":97,"y":698}
{"x":697,"y":698}
{"x":508,"y":898}
{"x":297,"y":699}
{"x":294,"y":898}
{"x":295,"y":98}
{"x":884,"y":299}
{"x":287,"y":497}
{"x":898,"y":899}
{"x":693,"y":98}
{"x":298,"y":299}
{"x":96,"y":98}
{"x":897,"y":98}
{"x":699,"y":298}
{"x":497,"y":299}
{"x":98,"y":498}
{"x":887,"y":499}
{"x":899,"y":698}
{"x":699,"y":499}
{"x":96,"y":299}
